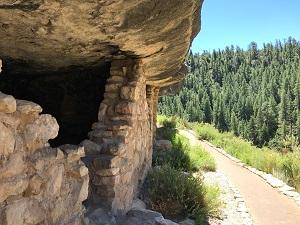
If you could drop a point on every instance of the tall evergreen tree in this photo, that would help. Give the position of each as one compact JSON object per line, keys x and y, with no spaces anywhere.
{"x":298,"y":127}
{"x":255,"y":93}
{"x":251,"y":130}
{"x":234,"y":124}
{"x":207,"y":111}
{"x":284,"y":111}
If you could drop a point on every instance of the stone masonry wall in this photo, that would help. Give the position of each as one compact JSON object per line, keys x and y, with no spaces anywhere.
{"x":38,"y":184}
{"x":152,"y":100}
{"x":119,"y":151}
{"x":44,"y":185}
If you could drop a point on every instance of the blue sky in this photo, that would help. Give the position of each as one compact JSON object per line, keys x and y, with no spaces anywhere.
{"x":238,"y":22}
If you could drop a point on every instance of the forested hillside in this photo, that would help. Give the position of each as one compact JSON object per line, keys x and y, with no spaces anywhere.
{"x":255,"y":92}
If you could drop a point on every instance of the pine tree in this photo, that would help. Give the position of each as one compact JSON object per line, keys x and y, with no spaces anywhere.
{"x":298,"y":127}
{"x":255,"y":93}
{"x":207,"y":111}
{"x":221,"y":123}
{"x":192,"y":61}
{"x":284,"y":112}
{"x":259,"y":122}
{"x":251,"y":130}
{"x":234,"y":124}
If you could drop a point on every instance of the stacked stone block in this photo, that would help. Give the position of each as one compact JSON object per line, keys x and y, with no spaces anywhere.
{"x":152,"y":100}
{"x":38,"y":184}
{"x":119,"y":150}
{"x":44,"y":185}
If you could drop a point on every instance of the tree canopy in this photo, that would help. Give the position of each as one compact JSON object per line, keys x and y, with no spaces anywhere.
{"x":254,"y":93}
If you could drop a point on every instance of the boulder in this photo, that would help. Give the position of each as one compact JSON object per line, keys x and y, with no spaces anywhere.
{"x":143,"y":216}
{"x":27,"y":107}
{"x":170,"y":222}
{"x":14,"y":166}
{"x":187,"y":222}
{"x":165,"y":145}
{"x":34,"y":187}
{"x":24,"y":211}
{"x":7,"y":141}
{"x":100,"y":216}
{"x":41,"y":130}
{"x":12,"y":188}
{"x":73,"y":152}
{"x":56,"y":176}
{"x":8,"y":103}
{"x":138,"y":204}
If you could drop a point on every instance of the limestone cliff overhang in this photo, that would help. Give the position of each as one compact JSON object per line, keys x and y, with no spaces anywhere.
{"x":46,"y":35}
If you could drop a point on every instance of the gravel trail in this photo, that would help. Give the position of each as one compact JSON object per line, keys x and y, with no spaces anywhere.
{"x":266,"y":205}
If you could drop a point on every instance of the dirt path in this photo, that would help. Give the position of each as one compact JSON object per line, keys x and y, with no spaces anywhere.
{"x":234,"y":210}
{"x":266,"y":205}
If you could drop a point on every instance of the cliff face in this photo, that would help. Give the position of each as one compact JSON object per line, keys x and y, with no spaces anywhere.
{"x":97,"y":67}
{"x":50,"y":35}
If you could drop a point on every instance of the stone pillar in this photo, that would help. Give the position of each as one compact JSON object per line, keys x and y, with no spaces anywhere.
{"x":152,"y":99}
{"x":120,"y":146}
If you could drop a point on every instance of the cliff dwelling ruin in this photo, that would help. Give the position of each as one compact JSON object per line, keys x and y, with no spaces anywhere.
{"x":78,"y":95}
{"x":72,"y":96}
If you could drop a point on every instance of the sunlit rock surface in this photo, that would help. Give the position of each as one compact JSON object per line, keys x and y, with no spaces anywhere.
{"x":95,"y":69}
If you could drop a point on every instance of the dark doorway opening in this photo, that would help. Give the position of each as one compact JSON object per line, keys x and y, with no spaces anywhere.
{"x":72,"y":96}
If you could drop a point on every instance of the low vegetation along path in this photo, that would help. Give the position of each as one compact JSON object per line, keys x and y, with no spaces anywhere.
{"x":266,"y":205}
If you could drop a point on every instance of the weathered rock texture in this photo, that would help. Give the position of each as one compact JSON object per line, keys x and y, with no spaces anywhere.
{"x":38,"y":184}
{"x":46,"y":44}
{"x":119,"y":151}
{"x":51,"y":35}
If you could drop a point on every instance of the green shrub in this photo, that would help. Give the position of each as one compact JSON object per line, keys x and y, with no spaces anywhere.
{"x":167,"y":122}
{"x":205,"y":131}
{"x":212,"y":200}
{"x":160,"y":119}
{"x":166,"y":133}
{"x":172,"y":122}
{"x":200,"y":159}
{"x":176,"y":158}
{"x":291,"y":168}
{"x":178,"y":195}
{"x":181,"y":123}
{"x":287,"y":144}
{"x":184,"y":157}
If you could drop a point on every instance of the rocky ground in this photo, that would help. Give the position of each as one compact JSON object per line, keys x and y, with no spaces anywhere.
{"x":234,"y":210}
{"x":138,"y":215}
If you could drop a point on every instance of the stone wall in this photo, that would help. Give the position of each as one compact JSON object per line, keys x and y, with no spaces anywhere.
{"x":152,"y":100}
{"x":38,"y":184}
{"x":119,"y":150}
{"x":44,"y":185}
